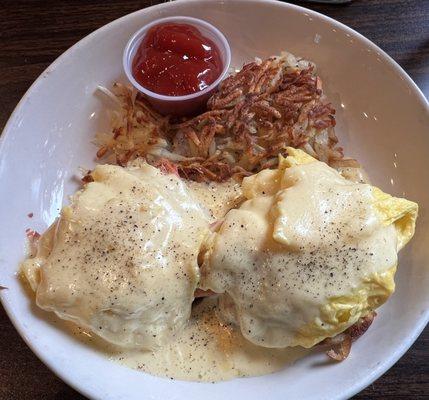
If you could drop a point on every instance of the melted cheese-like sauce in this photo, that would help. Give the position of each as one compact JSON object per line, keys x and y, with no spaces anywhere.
{"x":122,"y":258}
{"x":209,"y":351}
{"x":204,"y":351}
{"x":134,"y":217}
{"x":279,"y":257}
{"x":218,"y":198}
{"x":302,"y":258}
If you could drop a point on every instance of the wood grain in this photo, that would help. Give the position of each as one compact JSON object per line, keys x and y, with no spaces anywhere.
{"x":33,"y":33}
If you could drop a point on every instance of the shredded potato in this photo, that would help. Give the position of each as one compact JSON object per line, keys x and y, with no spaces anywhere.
{"x":251,"y":119}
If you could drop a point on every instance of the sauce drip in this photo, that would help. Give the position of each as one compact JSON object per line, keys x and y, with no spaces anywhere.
{"x":208,"y":351}
{"x":176,"y":60}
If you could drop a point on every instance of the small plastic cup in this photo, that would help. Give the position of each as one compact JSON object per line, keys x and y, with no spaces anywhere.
{"x":178,"y":105}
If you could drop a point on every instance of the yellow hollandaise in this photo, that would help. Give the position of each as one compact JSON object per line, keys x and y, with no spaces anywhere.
{"x":306,"y":254}
{"x":121,"y":260}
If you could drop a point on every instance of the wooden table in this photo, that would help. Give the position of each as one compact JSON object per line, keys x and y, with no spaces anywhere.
{"x":34,"y":33}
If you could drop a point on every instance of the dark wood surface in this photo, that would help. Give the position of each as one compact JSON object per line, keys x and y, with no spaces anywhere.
{"x":34,"y":33}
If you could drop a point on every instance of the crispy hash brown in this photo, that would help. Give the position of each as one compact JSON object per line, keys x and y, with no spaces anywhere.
{"x":340,"y":345}
{"x":251,"y":119}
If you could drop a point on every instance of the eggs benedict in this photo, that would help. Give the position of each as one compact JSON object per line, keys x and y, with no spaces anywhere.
{"x":121,"y":260}
{"x":307,"y":254}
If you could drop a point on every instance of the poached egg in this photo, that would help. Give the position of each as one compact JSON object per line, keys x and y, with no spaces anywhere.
{"x":121,"y":260}
{"x":307,"y":254}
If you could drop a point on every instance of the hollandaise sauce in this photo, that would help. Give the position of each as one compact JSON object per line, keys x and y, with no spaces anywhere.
{"x":306,"y":255}
{"x":121,"y":260}
{"x":217,"y":198}
{"x":207,"y":350}
{"x":295,"y":255}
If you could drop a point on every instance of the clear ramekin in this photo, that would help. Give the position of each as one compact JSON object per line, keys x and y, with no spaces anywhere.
{"x":178,"y":105}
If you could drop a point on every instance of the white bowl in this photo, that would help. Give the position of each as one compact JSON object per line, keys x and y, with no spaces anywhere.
{"x":382,"y":120}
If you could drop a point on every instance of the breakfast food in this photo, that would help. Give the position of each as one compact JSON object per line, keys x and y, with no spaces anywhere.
{"x":121,"y":261}
{"x":227,"y":243}
{"x":254,"y":116}
{"x":307,"y":254}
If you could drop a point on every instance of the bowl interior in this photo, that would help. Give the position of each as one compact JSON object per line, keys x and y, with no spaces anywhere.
{"x":382,"y":121}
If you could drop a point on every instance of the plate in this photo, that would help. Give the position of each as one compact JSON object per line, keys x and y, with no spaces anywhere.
{"x":382,"y":120}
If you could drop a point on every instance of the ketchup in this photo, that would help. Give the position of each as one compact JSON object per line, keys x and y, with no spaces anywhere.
{"x":176,"y":60}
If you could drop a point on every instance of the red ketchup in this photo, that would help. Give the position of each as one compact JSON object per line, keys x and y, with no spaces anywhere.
{"x":176,"y":60}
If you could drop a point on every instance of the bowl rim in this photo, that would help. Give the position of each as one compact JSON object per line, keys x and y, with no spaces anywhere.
{"x":138,"y":36}
{"x":382,"y":367}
